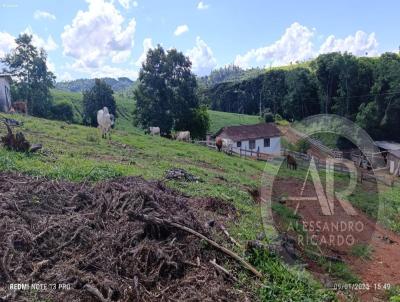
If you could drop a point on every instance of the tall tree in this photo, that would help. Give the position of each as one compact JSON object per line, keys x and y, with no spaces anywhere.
{"x":166,"y":93}
{"x":302,"y":97}
{"x":274,"y":90}
{"x":33,"y":80}
{"x":94,"y":99}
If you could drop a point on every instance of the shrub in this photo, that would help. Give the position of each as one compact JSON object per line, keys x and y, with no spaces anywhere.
{"x":200,"y":123}
{"x":62,"y":111}
{"x":302,"y":146}
{"x":267,"y":116}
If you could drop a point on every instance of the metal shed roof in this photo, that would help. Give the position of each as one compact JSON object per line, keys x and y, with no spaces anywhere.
{"x":387,"y":145}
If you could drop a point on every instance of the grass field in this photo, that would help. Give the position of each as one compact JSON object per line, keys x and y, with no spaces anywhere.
{"x":125,"y":108}
{"x":76,"y":153}
{"x":220,"y":119}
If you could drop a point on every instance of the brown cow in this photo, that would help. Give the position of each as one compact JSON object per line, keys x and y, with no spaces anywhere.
{"x":291,"y":162}
{"x":219,"y":143}
{"x":20,"y":107}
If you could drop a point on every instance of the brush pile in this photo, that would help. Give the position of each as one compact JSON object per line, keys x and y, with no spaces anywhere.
{"x":82,"y":238}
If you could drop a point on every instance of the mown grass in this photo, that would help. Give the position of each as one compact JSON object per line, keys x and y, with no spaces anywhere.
{"x":220,"y":119}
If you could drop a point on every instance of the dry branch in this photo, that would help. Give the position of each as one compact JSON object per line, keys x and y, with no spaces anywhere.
{"x":160,"y":221}
{"x":95,"y":292}
{"x":230,"y":237}
{"x":222,"y":269}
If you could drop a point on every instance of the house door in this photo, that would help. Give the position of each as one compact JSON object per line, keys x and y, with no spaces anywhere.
{"x":391,"y":167}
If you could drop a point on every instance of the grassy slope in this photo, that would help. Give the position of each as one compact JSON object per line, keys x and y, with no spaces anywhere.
{"x":220,"y":119}
{"x":76,"y":152}
{"x":125,"y":107}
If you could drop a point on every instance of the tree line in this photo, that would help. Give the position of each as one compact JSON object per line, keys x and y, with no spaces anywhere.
{"x":365,"y":90}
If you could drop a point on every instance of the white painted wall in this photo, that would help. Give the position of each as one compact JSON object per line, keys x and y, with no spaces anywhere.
{"x":274,"y":147}
{"x":5,"y":95}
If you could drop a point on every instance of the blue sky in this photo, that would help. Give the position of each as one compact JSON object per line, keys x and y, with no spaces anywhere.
{"x":89,"y":38}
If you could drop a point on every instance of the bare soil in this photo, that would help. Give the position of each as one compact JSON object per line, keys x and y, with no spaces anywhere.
{"x":83,"y":235}
{"x":382,"y":268}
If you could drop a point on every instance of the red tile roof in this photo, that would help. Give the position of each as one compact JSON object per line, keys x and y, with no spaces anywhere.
{"x":246,"y":132}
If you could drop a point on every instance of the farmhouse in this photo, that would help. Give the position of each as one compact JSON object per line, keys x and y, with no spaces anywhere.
{"x":391,"y":154}
{"x":264,"y":137}
{"x":5,"y":92}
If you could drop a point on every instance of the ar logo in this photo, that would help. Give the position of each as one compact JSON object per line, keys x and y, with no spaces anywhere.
{"x":326,"y":201}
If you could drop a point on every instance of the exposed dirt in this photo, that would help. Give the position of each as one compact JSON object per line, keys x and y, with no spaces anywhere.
{"x":84,"y":235}
{"x":293,"y":137}
{"x":384,"y":265}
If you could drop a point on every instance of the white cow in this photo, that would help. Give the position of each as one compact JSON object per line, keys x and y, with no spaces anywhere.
{"x":183,"y":136}
{"x":154,"y":130}
{"x":105,"y":121}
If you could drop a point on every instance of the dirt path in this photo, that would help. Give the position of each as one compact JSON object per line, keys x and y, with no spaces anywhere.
{"x":382,"y":268}
{"x":292,"y":137}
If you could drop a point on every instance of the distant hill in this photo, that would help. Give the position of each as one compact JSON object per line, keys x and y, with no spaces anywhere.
{"x":230,"y":73}
{"x":118,"y":85}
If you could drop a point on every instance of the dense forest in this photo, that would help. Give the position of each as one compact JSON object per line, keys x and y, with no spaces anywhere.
{"x":365,"y":90}
{"x":80,"y":85}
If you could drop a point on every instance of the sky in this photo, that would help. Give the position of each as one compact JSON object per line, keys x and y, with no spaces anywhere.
{"x":109,"y":38}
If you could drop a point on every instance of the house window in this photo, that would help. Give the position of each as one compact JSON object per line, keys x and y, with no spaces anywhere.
{"x":252,"y":144}
{"x":239,"y":144}
{"x":267,"y":142}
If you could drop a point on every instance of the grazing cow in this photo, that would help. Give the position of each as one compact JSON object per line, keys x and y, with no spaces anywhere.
{"x":20,"y":107}
{"x":219,"y":143}
{"x":105,"y":121}
{"x":183,"y":136}
{"x":291,"y":162}
{"x":224,"y":143}
{"x":154,"y":130}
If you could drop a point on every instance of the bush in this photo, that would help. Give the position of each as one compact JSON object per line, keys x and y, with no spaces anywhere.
{"x":62,"y":111}
{"x":278,"y":117}
{"x":302,"y":146}
{"x":268,"y":116}
{"x":200,"y":123}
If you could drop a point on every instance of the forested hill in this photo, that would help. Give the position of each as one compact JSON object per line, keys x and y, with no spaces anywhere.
{"x":230,"y":73}
{"x":118,"y":85}
{"x":365,"y":90}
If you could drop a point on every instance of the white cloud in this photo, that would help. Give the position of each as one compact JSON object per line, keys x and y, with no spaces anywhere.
{"x":147,"y":45}
{"x":128,"y":3}
{"x":121,"y":56}
{"x":97,"y":35}
{"x":65,"y":76}
{"x":202,"y":6}
{"x":40,"y":14}
{"x":103,"y":71}
{"x":295,"y":45}
{"x":7,"y":43}
{"x":360,"y":44}
{"x":202,"y":58}
{"x":48,"y":45}
{"x":181,"y":29}
{"x":50,"y":65}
